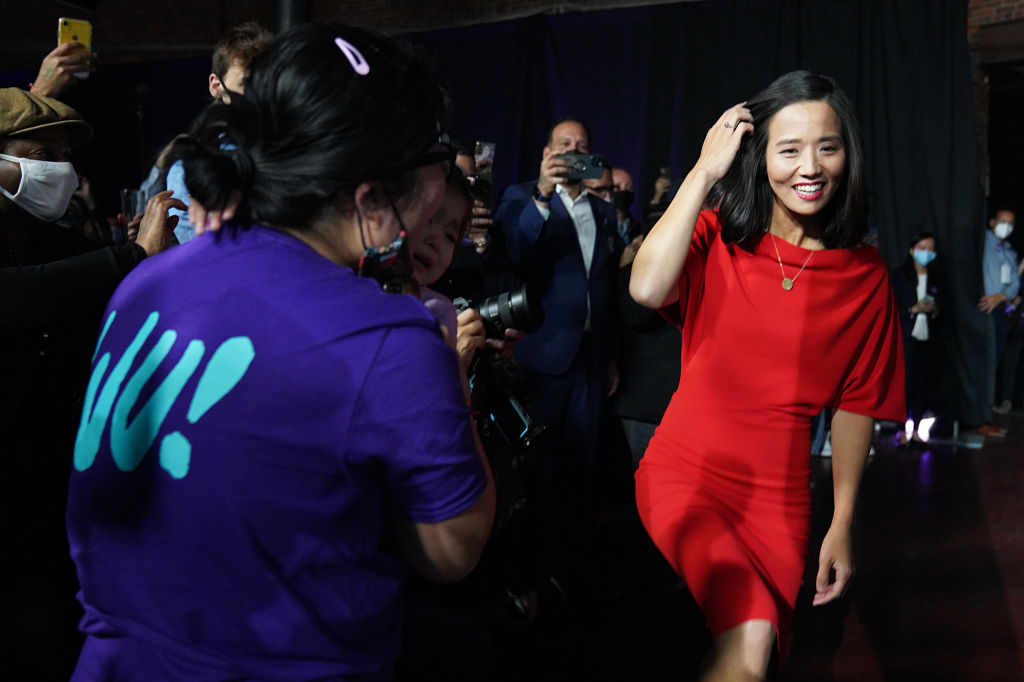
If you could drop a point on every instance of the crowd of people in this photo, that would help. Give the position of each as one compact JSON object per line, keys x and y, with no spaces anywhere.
{"x":257,"y":428}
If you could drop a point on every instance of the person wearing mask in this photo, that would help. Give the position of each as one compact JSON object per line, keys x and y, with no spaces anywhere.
{"x":916,"y":291}
{"x":783,"y":314}
{"x":1002,"y":297}
{"x":54,"y":283}
{"x":629,"y":228}
{"x":271,"y":442}
{"x":601,"y":187}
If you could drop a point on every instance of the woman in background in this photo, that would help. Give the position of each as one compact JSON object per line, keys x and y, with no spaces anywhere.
{"x":916,"y":294}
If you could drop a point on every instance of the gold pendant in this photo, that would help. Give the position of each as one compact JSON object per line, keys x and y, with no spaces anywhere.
{"x":787,"y":283}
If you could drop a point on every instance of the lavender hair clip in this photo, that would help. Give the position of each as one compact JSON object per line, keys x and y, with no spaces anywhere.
{"x":354,"y":56}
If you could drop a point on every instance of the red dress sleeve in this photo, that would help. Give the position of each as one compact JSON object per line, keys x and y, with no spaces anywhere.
{"x":874,"y":383}
{"x":691,"y":279}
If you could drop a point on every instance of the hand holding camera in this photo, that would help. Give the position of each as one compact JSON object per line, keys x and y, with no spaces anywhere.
{"x":505,"y":420}
{"x":553,"y":171}
{"x":470,"y":337}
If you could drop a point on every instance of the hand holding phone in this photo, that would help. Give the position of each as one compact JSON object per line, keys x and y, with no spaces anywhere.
{"x":582,"y":166}
{"x":76,"y":31}
{"x":483,"y":157}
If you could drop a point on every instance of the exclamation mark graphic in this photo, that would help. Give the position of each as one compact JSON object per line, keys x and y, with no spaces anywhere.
{"x":226,"y":368}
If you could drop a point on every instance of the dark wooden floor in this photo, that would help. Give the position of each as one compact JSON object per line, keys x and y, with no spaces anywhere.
{"x":939,"y":593}
{"x":938,"y":596}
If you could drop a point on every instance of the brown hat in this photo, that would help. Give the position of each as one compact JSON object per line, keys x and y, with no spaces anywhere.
{"x":22,"y":112}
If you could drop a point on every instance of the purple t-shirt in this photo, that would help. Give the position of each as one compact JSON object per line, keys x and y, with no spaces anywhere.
{"x":256,"y":418}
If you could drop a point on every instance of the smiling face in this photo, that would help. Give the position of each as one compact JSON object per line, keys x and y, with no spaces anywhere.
{"x":433,"y":253}
{"x":805,"y":161}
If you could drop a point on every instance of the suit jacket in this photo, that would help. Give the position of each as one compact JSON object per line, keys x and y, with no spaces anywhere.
{"x":547,"y":255}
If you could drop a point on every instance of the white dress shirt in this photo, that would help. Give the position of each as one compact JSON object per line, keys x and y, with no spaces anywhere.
{"x":586,"y":228}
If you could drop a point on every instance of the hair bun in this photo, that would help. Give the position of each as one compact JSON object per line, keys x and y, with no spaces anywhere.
{"x":244,"y":167}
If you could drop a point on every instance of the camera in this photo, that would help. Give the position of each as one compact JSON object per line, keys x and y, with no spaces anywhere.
{"x":516,"y":309}
{"x":584,"y":166}
{"x":495,"y":383}
{"x":506,"y":422}
{"x":507,"y":426}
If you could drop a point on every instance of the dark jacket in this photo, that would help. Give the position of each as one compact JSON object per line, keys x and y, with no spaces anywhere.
{"x":905,"y":291}
{"x":53,"y":289}
{"x":649,"y":358}
{"x":547,"y":255}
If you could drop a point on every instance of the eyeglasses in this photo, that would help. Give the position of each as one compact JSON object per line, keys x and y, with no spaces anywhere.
{"x":444,"y":156}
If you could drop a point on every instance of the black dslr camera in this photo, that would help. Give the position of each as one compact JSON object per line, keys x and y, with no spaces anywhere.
{"x":517,"y":309}
{"x":505,"y":420}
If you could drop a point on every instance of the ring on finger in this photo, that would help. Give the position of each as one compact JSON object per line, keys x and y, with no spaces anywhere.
{"x":727,"y":124}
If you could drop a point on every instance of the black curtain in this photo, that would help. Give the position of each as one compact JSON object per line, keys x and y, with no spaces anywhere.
{"x":650,"y":81}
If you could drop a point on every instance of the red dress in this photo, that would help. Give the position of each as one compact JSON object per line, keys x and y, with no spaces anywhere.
{"x":723,"y":488}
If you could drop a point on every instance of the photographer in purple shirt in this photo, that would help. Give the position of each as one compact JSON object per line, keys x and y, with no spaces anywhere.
{"x":269,"y":441}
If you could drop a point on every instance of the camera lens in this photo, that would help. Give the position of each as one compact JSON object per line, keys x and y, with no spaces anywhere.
{"x":517,"y":309}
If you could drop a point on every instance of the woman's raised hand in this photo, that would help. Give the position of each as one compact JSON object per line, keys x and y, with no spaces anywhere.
{"x":723,"y":141}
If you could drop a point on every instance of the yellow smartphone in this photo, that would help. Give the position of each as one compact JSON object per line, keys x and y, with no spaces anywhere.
{"x":75,"y":30}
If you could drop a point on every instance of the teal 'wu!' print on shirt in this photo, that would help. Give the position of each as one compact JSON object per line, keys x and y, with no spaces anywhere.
{"x":131,"y":440}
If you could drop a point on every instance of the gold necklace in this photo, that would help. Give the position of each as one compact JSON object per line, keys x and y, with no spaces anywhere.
{"x":787,"y":283}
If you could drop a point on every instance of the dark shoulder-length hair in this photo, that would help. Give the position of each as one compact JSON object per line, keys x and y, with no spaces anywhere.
{"x":326,"y":107}
{"x":744,"y":196}
{"x":907,"y":268}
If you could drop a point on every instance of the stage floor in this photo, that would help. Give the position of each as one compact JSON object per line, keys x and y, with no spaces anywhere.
{"x":938,"y":595}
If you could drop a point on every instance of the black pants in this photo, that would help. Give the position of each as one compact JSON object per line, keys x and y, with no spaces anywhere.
{"x":919,"y":357}
{"x":1006,"y":370}
{"x":570,"y":405}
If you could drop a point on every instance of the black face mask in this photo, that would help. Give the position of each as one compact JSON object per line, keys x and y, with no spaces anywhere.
{"x":390,"y":265}
{"x":623,"y":199}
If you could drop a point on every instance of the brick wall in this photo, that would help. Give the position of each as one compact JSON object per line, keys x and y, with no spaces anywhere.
{"x":982,"y":14}
{"x":125,"y":30}
{"x":131,"y":30}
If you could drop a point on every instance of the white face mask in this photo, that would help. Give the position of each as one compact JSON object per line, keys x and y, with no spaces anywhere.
{"x":45,"y":189}
{"x":1003,"y":229}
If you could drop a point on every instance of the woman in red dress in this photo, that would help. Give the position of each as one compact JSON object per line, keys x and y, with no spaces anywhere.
{"x":782,"y":315}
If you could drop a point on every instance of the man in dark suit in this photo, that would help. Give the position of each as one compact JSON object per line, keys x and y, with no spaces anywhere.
{"x":563,"y":241}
